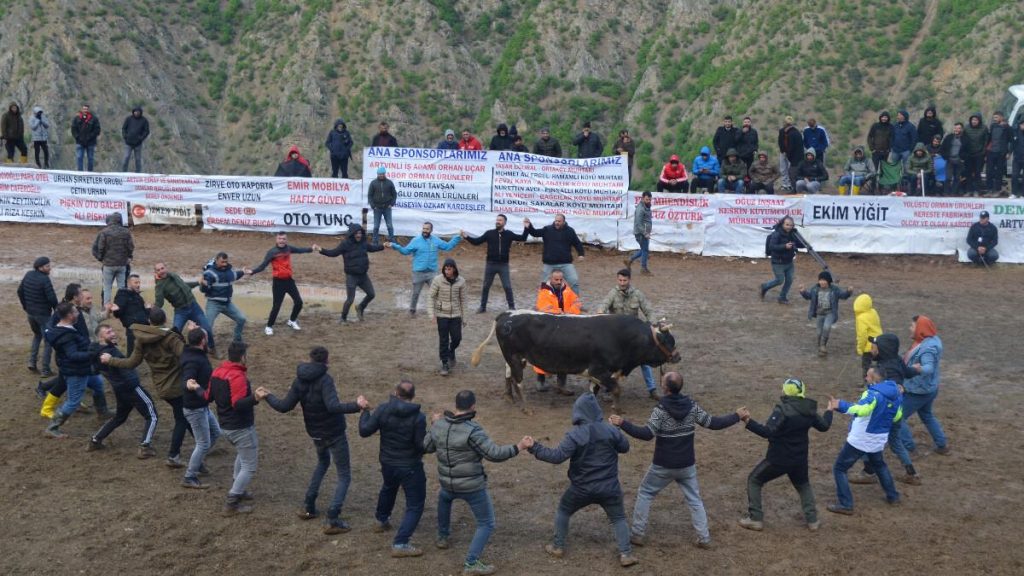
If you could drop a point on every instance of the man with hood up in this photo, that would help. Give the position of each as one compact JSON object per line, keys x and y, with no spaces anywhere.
{"x":791,"y":149}
{"x":501,"y":139}
{"x":786,"y":432}
{"x":705,"y":171}
{"x":449,"y":142}
{"x":810,"y":173}
{"x":672,"y":425}
{"x":880,"y":139}
{"x":134,"y":132}
{"x":114,"y":247}
{"x":294,"y":165}
{"x":324,"y":416}
{"x":424,"y":249}
{"x":733,"y":173}
{"x":39,"y":124}
{"x":592,"y":448}
{"x":976,"y":139}
{"x":929,"y":126}
{"x":921,"y":162}
{"x":856,"y":170}
{"x":1000,"y":140}
{"x":354,"y":250}
{"x":763,"y":174}
{"x":12,"y":132}
{"x":448,"y":306}
{"x":673,"y":176}
{"x":85,"y":129}
{"x":904,"y":136}
{"x":339,"y":144}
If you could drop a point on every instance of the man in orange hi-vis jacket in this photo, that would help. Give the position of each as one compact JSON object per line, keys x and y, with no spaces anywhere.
{"x":555,"y":297}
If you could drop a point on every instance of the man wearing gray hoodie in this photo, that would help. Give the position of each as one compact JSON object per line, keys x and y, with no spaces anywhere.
{"x":39,"y":124}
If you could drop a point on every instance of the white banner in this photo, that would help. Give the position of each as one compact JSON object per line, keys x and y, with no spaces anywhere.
{"x":314,"y":205}
{"x":434,"y":180}
{"x":740,"y":224}
{"x":677,"y":222}
{"x":174,"y":214}
{"x":591,"y":187}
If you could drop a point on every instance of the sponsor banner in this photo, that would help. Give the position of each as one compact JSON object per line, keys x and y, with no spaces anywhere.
{"x":852,"y":210}
{"x":590,"y":187}
{"x":174,"y":214}
{"x":677,"y":221}
{"x":739,"y":223}
{"x":434,"y":180}
{"x":314,"y":205}
{"x":603,"y":231}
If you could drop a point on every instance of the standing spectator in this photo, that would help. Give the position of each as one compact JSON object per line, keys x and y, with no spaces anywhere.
{"x":179,"y":293}
{"x":448,"y":307}
{"x":232,"y":392}
{"x":982,"y":238}
{"x":642,"y":228}
{"x":324,"y":416}
{"x":130,"y":396}
{"x":196,"y":372}
{"x":786,"y":432}
{"x":217,"y":283}
{"x":38,"y":300}
{"x":726,"y":137}
{"x":134,"y":132}
{"x":85,"y":129}
{"x":1000,"y":141}
{"x":921,"y":389}
{"x":592,"y":447}
{"x":625,"y":145}
{"x":672,"y":425}
{"x":791,"y":150}
{"x":868,"y":326}
{"x":816,"y":138}
{"x":283,"y":282}
{"x":547,"y":145}
{"x":588,"y":144}
{"x":763,"y":174}
{"x":501,"y":139}
{"x":449,"y":142}
{"x":424,"y":249}
{"x":12,"y":131}
{"x":705,"y":171}
{"x":383,"y":195}
{"x":880,"y":139}
{"x":294,"y":165}
{"x":929,"y":126}
{"x":976,"y":139}
{"x":469,"y":142}
{"x":904,"y":137}
{"x":824,"y":297}
{"x":39,"y":124}
{"x":857,"y":169}
{"x":810,"y":173}
{"x":953,"y":150}
{"x":402,"y":430}
{"x":114,"y":247}
{"x":748,"y":142}
{"x":461,"y":446}
{"x":559,"y":241}
{"x":733,"y":173}
{"x":1017,"y":173}
{"x":354,"y":250}
{"x":383,"y":138}
{"x":75,"y":362}
{"x":499,"y":242}
{"x":517,"y":144}
{"x":781,"y":246}
{"x":629,"y":301}
{"x":673,"y":176}
{"x":130,"y":308}
{"x":920,"y":164}
{"x":339,"y":145}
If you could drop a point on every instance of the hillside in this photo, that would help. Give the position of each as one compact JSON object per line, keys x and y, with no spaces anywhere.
{"x":229,"y":84}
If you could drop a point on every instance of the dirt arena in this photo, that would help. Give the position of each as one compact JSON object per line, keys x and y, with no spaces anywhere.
{"x":67,"y":511}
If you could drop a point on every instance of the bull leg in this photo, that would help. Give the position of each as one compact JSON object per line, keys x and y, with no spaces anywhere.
{"x":508,"y":385}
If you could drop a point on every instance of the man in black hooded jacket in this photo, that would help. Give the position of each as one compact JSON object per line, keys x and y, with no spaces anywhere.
{"x":501,"y":139}
{"x":354,"y":250}
{"x":134,"y":132}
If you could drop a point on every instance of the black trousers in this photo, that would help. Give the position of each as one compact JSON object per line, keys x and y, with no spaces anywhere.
{"x":132,"y":398}
{"x":181,"y":426}
{"x":995,"y":170}
{"x":972,"y":172}
{"x":502,"y":271}
{"x":45,"y":147}
{"x":449,"y":336}
{"x":339,"y":164}
{"x":279,"y":288}
{"x":353,"y":281}
{"x":12,"y":144}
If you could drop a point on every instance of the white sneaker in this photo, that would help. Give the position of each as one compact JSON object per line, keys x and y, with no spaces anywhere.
{"x":268,"y":331}
{"x":1013,"y":196}
{"x":294,"y":325}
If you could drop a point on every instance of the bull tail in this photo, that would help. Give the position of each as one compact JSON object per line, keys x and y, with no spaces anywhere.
{"x":475,"y":359}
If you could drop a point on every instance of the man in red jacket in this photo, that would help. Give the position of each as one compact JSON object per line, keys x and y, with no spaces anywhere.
{"x":280,"y":259}
{"x":469,"y":142}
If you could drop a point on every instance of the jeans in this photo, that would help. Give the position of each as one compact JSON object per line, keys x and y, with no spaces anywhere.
{"x":45,"y":147}
{"x":921,"y":404}
{"x":215,"y":308}
{"x":279,"y":287}
{"x":648,"y":377}
{"x":501,"y":270}
{"x":848,"y":456}
{"x":181,"y":426}
{"x":765,"y":472}
{"x":735,"y":186}
{"x":76,"y":389}
{"x":128,"y":151}
{"x":116,"y":275}
{"x":898,"y":448}
{"x":825,"y":322}
{"x":845,"y":180}
{"x":644,"y":252}
{"x":574,"y":500}
{"x":972,"y":172}
{"x":483,"y":511}
{"x":336,"y":448}
{"x":353,"y":281}
{"x":568,"y":270}
{"x":784,"y":167}
{"x":808,"y":186}
{"x":991,"y":255}
{"x":38,"y":325}
{"x":386,"y":213}
{"x":339,"y":164}
{"x":194,"y":313}
{"x":449,"y":336}
{"x":783,"y":275}
{"x":206,"y":430}
{"x":702,"y":181}
{"x":901,"y":157}
{"x":132,"y":398}
{"x":81,"y":151}
{"x":954,"y":170}
{"x":413,"y":482}
{"x":420,"y":280}
{"x":247,"y":444}
{"x":995,"y":169}
{"x":656,"y":479}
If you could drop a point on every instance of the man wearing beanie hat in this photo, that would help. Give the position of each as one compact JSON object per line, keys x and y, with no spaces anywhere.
{"x":786,"y":432}
{"x":824,"y":297}
{"x":382,"y":195}
{"x":38,"y":300}
{"x":449,"y":142}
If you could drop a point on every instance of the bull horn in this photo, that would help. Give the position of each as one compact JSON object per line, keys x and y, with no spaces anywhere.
{"x":664,"y":327}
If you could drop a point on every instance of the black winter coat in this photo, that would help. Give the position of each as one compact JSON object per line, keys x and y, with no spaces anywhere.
{"x":85,"y":132}
{"x":786,"y":429}
{"x":724,"y":139}
{"x":791,"y":144}
{"x":74,"y":357}
{"x":498,"y":243}
{"x":121,"y":379}
{"x":36,"y":294}
{"x":293,"y":169}
{"x":927,"y":129}
{"x":777,"y":246}
{"x":322,"y":412}
{"x":355,"y":254}
{"x":987,"y":236}
{"x":812,"y":170}
{"x":748,"y":144}
{"x":131,"y":308}
{"x":558,"y":244}
{"x":402,"y":429}
{"x":134,"y":131}
{"x":195,"y":365}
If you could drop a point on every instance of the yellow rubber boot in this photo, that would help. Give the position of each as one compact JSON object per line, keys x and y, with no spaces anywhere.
{"x":7,"y":160}
{"x":24,"y":159}
{"x":843,"y":190}
{"x":856,"y":190}
{"x":49,"y":406}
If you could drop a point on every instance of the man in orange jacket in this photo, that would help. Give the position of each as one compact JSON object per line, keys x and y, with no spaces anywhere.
{"x":555,"y":297}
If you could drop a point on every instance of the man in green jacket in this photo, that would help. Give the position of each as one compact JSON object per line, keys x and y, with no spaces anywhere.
{"x":179,"y":293}
{"x":461,"y":446}
{"x":624,"y":299}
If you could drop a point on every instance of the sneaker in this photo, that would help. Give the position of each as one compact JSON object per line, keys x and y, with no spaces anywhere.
{"x":381,"y":527}
{"x":751,"y":524}
{"x":405,"y":551}
{"x":95,"y":445}
{"x":39,"y":390}
{"x":203,"y":470}
{"x":442,"y":543}
{"x":822,"y":352}
{"x":835,"y":508}
{"x":247,"y":496}
{"x":55,"y":432}
{"x":337,"y":526}
{"x":305,"y":514}
{"x":637,"y":540}
{"x":444,"y":369}
{"x":627,"y":560}
{"x":813,"y":526}
{"x":702,"y":544}
{"x":268,"y":331}
{"x":943,"y":451}
{"x":783,"y":302}
{"x":542,"y":383}
{"x":553,"y":550}
{"x":912,"y":479}
{"x":174,"y":462}
{"x":359,"y":313}
{"x":896,"y":502}
{"x":46,"y":373}
{"x":294,"y":325}
{"x":32,"y":368}
{"x":477,"y":567}
{"x":863,"y":478}
{"x":234,"y":506}
{"x":194,"y":483}
{"x":646,"y":272}
{"x":146,"y":451}
{"x":412,"y":312}
{"x":653,"y":395}
{"x":452,"y":361}
{"x":481,"y":310}
{"x":343,"y":321}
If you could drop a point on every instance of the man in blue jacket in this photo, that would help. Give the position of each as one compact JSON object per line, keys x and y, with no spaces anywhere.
{"x":339,"y":144}
{"x":216,"y":283}
{"x":424,"y":249}
{"x":705,"y":170}
{"x":592,"y":447}
{"x":816,"y":138}
{"x":904,"y":137}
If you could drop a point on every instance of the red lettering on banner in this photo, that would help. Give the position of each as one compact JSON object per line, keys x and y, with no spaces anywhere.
{"x":298,"y":185}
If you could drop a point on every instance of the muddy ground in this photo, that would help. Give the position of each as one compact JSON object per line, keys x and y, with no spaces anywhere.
{"x":68,"y":511}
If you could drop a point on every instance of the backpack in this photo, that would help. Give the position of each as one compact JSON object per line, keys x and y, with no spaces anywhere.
{"x":768,"y":243}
